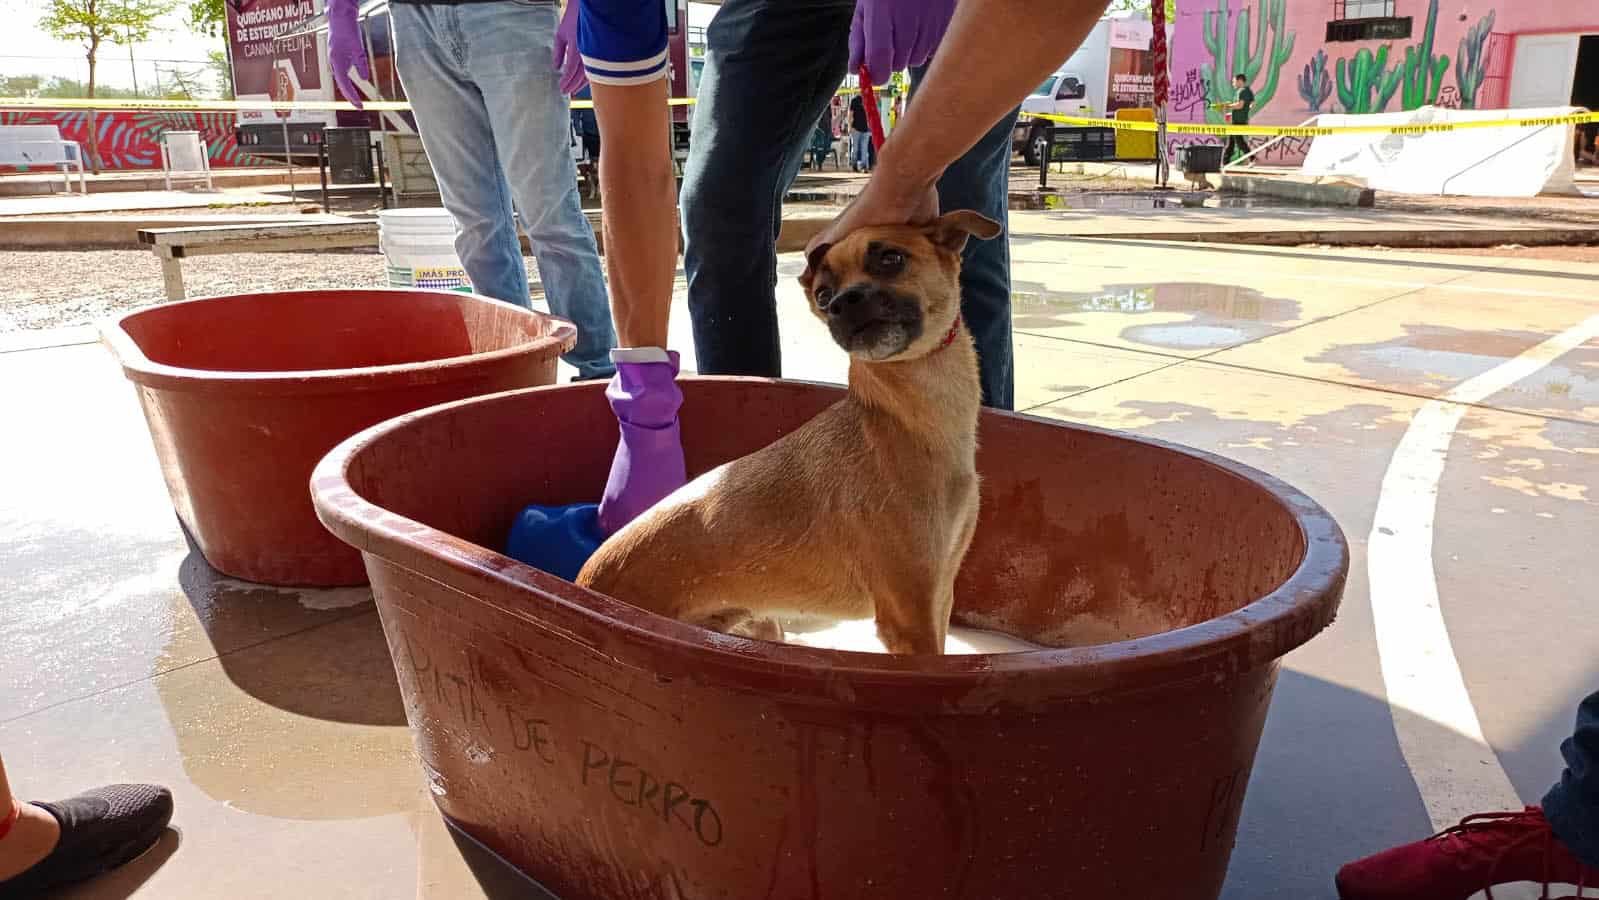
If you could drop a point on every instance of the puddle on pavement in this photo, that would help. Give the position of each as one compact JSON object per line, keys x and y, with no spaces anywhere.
{"x":299,"y":714}
{"x":1433,"y":357}
{"x":1221,"y":315}
{"x":1138,"y":201}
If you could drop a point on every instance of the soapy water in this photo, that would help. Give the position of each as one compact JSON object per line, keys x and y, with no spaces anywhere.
{"x":860,"y":635}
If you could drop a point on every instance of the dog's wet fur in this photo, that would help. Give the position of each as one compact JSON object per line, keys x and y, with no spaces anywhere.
{"x":868,"y":508}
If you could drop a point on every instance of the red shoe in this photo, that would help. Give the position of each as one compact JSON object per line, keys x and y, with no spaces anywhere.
{"x":1469,"y":860}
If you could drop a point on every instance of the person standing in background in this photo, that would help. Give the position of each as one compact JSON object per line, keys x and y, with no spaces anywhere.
{"x":1243,"y":102}
{"x":497,"y":129}
{"x":771,"y":66}
{"x":860,"y":136}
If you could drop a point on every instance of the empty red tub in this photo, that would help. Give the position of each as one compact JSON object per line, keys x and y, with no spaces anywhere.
{"x":614,"y":754}
{"x":243,"y":395}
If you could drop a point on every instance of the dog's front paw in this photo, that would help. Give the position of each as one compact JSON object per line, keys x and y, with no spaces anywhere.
{"x":761,"y":629}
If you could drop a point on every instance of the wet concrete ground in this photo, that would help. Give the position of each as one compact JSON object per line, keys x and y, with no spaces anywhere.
{"x":274,"y":714}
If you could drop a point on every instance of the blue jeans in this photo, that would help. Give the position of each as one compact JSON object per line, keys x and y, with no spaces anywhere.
{"x":860,"y":150}
{"x":771,"y":67}
{"x":1572,"y":805}
{"x":497,"y":130}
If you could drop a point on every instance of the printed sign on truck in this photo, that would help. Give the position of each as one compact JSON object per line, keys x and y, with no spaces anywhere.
{"x":266,"y":68}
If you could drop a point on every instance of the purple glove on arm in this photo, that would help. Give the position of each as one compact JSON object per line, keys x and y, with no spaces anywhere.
{"x":567,"y":60}
{"x":890,"y":35}
{"x":649,"y":457}
{"x":648,"y":465}
{"x":346,"y":49}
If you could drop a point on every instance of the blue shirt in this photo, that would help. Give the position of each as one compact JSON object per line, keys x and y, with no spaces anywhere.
{"x":622,"y":41}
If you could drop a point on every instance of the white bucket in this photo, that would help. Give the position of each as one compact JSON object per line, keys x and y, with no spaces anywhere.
{"x":419,"y":247}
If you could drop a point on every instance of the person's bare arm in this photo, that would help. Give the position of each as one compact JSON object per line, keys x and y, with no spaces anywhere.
{"x":994,"y":53}
{"x":638,"y":202}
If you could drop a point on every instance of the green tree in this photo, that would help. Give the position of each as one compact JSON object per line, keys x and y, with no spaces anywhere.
{"x":97,"y":22}
{"x":73,"y":89}
{"x":19,"y":85}
{"x":222,"y":68}
{"x":185,"y":84}
{"x":208,"y":16}
{"x":1135,"y":6}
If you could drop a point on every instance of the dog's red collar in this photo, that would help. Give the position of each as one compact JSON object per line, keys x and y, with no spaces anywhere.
{"x":953,"y":330}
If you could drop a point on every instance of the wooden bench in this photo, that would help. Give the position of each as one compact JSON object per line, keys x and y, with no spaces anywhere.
{"x":41,"y":145}
{"x":173,"y":245}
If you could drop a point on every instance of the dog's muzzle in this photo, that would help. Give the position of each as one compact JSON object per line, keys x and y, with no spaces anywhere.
{"x":872,"y":322}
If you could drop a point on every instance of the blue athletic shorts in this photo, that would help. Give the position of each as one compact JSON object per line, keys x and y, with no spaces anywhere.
{"x":622,"y":41}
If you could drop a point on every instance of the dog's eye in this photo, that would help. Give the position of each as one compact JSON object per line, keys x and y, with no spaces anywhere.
{"x":824,"y":295}
{"x":892,"y":259}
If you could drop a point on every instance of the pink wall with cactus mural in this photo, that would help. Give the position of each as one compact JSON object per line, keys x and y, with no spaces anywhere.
{"x":1280,"y":46}
{"x":131,"y":140}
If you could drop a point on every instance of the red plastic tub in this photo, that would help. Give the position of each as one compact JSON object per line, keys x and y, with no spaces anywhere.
{"x":244,"y":394}
{"x":614,"y":754}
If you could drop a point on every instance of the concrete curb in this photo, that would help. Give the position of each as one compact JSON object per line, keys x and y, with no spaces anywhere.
{"x":1311,"y":193}
{"x":26,"y":186}
{"x":122,"y":232}
{"x":1362,"y":237}
{"x":115,"y":232}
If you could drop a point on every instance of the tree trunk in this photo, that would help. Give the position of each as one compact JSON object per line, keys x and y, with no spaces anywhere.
{"x":94,"y":141}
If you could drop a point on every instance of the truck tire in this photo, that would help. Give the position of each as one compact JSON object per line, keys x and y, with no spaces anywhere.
{"x":1037,"y":140}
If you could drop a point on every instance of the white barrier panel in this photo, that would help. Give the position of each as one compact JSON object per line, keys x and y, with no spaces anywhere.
{"x":1473,"y":162}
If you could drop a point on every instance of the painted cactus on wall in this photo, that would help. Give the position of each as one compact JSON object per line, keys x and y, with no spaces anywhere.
{"x":1424,"y":72}
{"x":1471,"y":64}
{"x":1315,"y":85}
{"x":1369,"y":84}
{"x":1273,"y":44}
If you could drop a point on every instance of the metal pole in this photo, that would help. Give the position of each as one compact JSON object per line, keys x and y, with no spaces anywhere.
{"x":322,"y":171}
{"x":288,"y":161}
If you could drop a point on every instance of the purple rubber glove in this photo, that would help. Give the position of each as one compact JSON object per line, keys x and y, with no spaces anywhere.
{"x":346,"y":49}
{"x":890,"y":35}
{"x":649,"y":457}
{"x":567,"y":60}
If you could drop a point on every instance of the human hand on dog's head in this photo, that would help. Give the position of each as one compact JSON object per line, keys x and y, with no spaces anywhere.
{"x":892,"y":291}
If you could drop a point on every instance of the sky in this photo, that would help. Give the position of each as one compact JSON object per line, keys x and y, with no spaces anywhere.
{"x":36,"y":53}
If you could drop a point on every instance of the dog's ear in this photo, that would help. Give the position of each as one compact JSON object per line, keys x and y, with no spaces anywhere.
{"x":813,"y":261}
{"x":951,"y":230}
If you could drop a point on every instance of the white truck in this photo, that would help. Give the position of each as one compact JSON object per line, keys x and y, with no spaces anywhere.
{"x":1063,"y":94}
{"x":1111,"y":69}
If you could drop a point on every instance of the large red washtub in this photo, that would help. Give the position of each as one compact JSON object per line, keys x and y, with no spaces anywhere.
{"x":243,"y":394}
{"x":614,"y":754}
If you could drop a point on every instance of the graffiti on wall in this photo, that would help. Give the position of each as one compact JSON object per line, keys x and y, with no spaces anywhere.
{"x":1277,"y":46}
{"x":132,"y":140}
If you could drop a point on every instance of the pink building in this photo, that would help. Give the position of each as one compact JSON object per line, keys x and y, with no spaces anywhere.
{"x":1303,"y":57}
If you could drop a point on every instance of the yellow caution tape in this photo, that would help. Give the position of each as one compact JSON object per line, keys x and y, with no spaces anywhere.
{"x":1319,"y":131}
{"x":239,"y":105}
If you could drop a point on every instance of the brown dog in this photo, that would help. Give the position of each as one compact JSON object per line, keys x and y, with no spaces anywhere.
{"x":867,"y":508}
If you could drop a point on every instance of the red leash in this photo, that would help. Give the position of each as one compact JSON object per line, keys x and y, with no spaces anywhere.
{"x":874,"y":119}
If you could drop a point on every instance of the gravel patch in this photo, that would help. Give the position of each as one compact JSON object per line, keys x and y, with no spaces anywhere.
{"x":55,"y":288}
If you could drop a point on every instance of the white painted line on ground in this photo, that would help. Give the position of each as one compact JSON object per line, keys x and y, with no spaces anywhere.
{"x":1447,"y":284}
{"x":1455,"y":775}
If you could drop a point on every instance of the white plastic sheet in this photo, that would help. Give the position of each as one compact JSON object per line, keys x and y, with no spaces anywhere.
{"x":1512,"y":161}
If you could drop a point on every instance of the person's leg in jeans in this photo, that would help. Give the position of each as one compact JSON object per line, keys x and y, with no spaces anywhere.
{"x":458,"y":134}
{"x":860,"y":149}
{"x":1572,"y":805}
{"x":507,"y":47}
{"x":980,"y":180}
{"x":771,"y":67}
{"x":459,"y":140}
